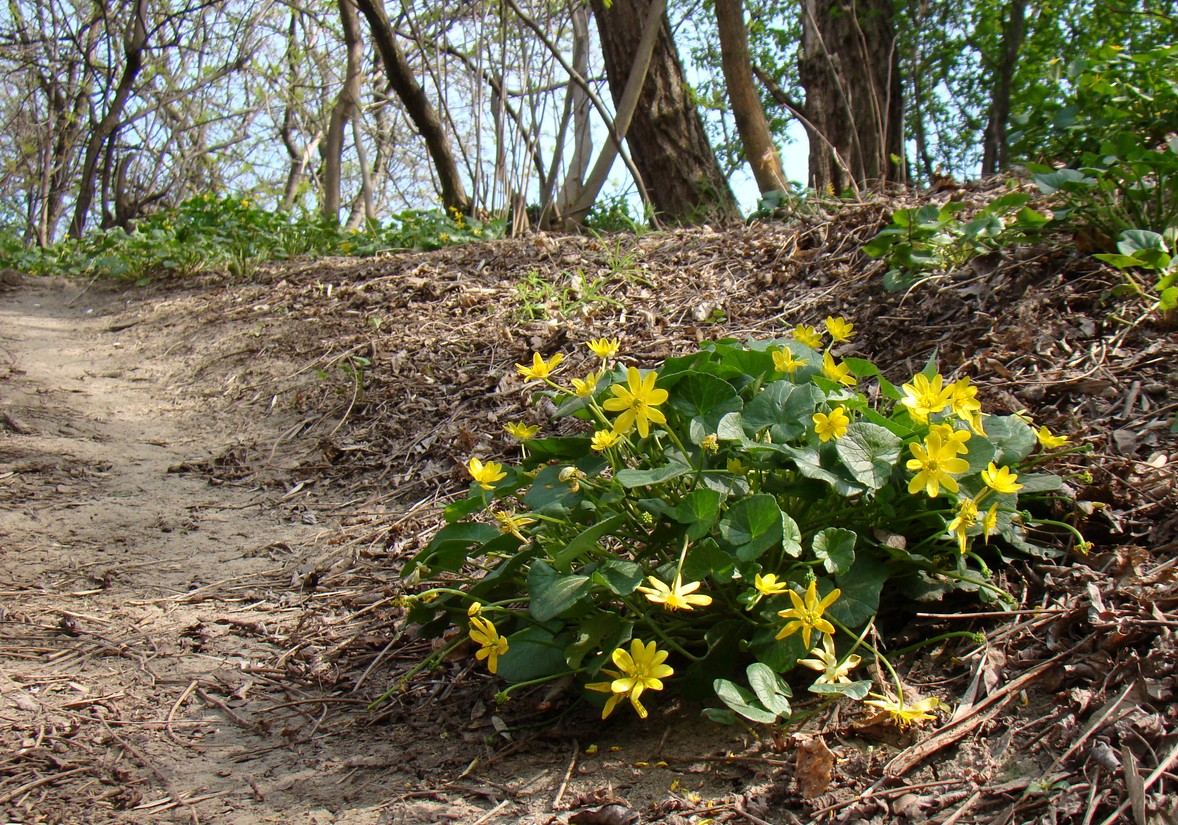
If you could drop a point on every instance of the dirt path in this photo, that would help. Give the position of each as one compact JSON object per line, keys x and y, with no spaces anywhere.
{"x":137,"y":602}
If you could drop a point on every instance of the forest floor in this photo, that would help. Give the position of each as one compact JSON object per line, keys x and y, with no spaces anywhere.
{"x":207,"y":488}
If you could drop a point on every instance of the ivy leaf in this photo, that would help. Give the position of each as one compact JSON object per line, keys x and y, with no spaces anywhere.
{"x":551,"y":593}
{"x":1039,"y":483}
{"x":752,"y":526}
{"x":816,"y":464}
{"x":870,"y":452}
{"x":835,"y":548}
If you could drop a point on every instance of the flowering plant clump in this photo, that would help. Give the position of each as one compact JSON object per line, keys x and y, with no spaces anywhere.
{"x":745,"y":506}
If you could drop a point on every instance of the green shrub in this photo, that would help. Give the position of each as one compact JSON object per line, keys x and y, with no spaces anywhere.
{"x":746,"y":508}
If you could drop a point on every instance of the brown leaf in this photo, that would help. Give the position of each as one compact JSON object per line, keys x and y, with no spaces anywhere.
{"x":611,"y":814}
{"x":814,"y":767}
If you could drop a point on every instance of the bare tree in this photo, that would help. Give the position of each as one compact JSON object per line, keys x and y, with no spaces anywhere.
{"x":747,"y":110}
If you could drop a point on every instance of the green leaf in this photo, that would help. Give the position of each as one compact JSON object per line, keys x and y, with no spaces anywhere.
{"x":852,"y":690}
{"x":870,"y":452}
{"x":706,"y":560}
{"x":1039,"y":483}
{"x":658,"y":475}
{"x":533,"y":653}
{"x":835,"y":548}
{"x":821,"y":465}
{"x":784,"y":406}
{"x":551,"y":593}
{"x":585,"y":541}
{"x":1013,"y":439}
{"x":742,"y":702}
{"x":548,"y":493}
{"x":770,"y":689}
{"x":705,"y":397}
{"x":861,"y":587}
{"x":448,"y":548}
{"x":619,"y":575}
{"x":602,"y":631}
{"x":699,"y":510}
{"x":752,"y":526}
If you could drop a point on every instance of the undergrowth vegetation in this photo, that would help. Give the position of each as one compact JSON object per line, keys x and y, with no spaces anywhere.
{"x":235,"y":234}
{"x":743,"y":509}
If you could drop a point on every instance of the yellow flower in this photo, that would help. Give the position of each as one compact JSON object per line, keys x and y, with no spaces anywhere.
{"x":710,"y":443}
{"x":520,"y":431}
{"x":737,"y":467}
{"x":806,"y":614}
{"x":475,"y":609}
{"x":572,"y":476}
{"x":511,"y":523}
{"x":1001,"y":480}
{"x":491,"y":644}
{"x":678,"y":596}
{"x":639,"y":669}
{"x":540,"y":368}
{"x":933,"y":462}
{"x":950,"y":435}
{"x":990,"y":522}
{"x":905,"y":715}
{"x":605,"y":348}
{"x":839,"y":373}
{"x":784,"y":361}
{"x":769,"y":585}
{"x":840,"y":328}
{"x":963,"y":400}
{"x":923,"y":397}
{"x":637,"y":404}
{"x":826,"y":661}
{"x":807,"y":335}
{"x":1049,"y":440}
{"x":967,"y":517}
{"x":583,"y":388}
{"x":604,"y":439}
{"x":485,"y":474}
{"x":833,"y":425}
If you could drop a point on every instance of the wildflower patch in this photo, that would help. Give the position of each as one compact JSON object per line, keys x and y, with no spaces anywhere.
{"x":740,"y":510}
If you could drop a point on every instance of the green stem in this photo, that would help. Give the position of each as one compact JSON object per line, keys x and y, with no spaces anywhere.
{"x":503,"y":694}
{"x":424,"y":664}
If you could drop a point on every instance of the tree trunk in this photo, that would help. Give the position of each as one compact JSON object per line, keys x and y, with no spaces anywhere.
{"x":417,"y":105}
{"x":747,"y":109}
{"x":850,"y":71}
{"x":343,"y":111}
{"x":134,"y":45}
{"x":995,"y":151}
{"x":670,"y":147}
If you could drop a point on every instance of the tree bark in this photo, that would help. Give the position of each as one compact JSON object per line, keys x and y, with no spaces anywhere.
{"x":670,"y":147}
{"x":343,"y":110}
{"x":995,"y":150}
{"x":420,"y":111}
{"x":748,"y":111}
{"x":849,"y":69}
